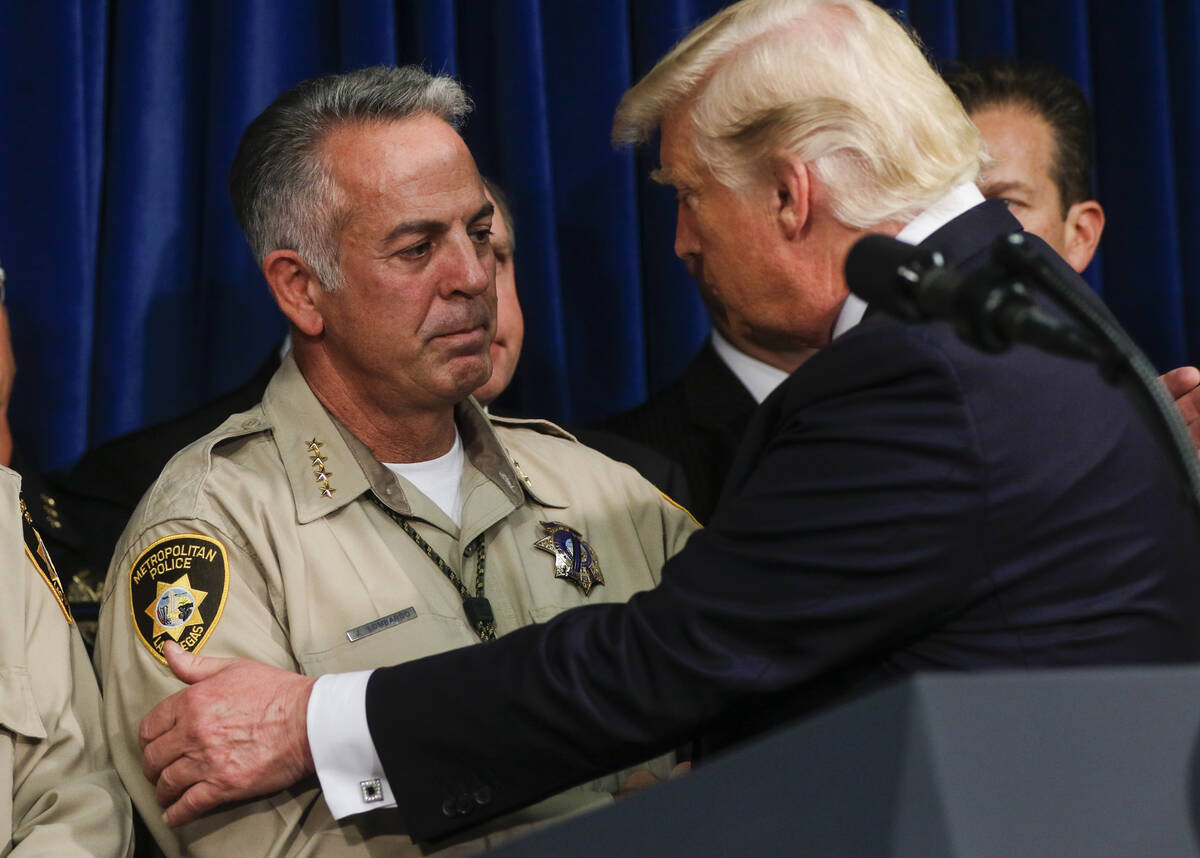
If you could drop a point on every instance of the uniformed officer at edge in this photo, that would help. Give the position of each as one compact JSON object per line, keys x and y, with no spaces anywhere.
{"x":66,"y":798}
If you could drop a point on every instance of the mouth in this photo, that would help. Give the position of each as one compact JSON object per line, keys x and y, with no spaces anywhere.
{"x":463,"y":337}
{"x":470,"y":329}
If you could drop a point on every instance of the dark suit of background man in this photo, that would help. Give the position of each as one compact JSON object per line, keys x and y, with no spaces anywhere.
{"x":901,"y":503}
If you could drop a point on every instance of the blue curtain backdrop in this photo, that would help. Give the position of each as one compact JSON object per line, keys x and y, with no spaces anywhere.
{"x":133,"y":297}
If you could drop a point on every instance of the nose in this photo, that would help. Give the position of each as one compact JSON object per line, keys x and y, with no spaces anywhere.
{"x":471,"y":266}
{"x":687,"y":244}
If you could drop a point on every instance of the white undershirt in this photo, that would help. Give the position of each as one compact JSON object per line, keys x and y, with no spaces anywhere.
{"x":438,"y":479}
{"x":338,"y":734}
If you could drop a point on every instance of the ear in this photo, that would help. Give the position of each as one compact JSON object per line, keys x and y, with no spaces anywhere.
{"x":296,"y":289}
{"x":1081,"y":235}
{"x":792,"y":186}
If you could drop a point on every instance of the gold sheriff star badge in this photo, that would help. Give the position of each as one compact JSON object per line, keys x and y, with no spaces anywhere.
{"x":574,"y":559}
{"x":175,"y":607}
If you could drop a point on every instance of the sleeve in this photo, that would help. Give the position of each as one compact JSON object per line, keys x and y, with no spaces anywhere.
{"x":348,"y":768}
{"x":189,"y":581}
{"x":848,"y":524}
{"x":66,"y":797}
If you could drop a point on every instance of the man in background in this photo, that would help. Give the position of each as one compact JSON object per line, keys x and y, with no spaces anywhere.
{"x":1037,"y":127}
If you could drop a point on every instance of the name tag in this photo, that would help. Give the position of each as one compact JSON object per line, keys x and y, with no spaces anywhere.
{"x":366,"y":629}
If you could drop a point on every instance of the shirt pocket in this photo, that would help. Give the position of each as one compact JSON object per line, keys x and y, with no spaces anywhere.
{"x":411,"y":639}
{"x":18,"y":717}
{"x":18,"y":710}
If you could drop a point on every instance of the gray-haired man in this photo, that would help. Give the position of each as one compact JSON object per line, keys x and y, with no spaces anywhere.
{"x":367,"y":510}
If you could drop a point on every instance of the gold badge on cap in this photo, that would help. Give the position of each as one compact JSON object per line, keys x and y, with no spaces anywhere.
{"x":177,"y":591}
{"x":574,"y":559}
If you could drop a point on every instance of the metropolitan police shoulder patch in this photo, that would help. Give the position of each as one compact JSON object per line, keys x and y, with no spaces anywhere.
{"x":177,"y":590}
{"x":36,"y":551}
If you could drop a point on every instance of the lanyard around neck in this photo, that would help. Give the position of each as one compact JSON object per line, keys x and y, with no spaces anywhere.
{"x":478,"y":609}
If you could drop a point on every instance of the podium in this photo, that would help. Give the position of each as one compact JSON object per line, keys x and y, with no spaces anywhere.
{"x":1055,"y":763}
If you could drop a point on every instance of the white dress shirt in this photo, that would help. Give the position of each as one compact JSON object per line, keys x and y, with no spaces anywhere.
{"x":757,"y":377}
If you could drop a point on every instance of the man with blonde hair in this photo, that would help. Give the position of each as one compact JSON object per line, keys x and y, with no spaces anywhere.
{"x":901,"y":502}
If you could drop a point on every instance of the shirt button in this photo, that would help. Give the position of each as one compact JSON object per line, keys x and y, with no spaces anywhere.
{"x":483,"y":796}
{"x":466,"y":804}
{"x":450,"y":807}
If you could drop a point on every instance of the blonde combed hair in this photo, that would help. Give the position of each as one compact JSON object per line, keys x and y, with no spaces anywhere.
{"x":838,"y":83}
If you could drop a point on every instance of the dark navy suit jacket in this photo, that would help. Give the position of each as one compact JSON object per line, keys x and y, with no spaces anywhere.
{"x":901,"y":503}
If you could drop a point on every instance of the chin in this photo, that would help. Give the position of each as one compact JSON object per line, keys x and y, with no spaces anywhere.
{"x":470,"y":374}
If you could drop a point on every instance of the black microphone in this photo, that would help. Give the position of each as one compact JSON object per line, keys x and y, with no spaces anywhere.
{"x":988,"y":308}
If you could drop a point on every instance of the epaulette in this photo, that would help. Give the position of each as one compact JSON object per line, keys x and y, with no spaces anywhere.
{"x":35,"y":550}
{"x":543,"y":427}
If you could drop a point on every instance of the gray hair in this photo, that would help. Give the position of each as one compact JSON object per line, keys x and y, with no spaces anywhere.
{"x":283,"y":194}
{"x":837,"y":82}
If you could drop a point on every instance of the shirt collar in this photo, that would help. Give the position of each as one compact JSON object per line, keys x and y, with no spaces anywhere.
{"x":756,"y":376}
{"x":957,"y":201}
{"x":328,"y":467}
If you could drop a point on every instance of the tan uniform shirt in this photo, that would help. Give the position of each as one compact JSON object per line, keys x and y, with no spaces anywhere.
{"x":62,"y":796}
{"x":321,"y":580}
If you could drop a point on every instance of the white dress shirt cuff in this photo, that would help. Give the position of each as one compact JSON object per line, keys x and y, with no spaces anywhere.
{"x":348,"y":768}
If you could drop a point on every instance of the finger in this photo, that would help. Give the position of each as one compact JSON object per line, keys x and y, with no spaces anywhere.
{"x":159,"y":720}
{"x":680,"y":769}
{"x":1181,"y":380}
{"x":176,"y":779}
{"x":192,"y":668}
{"x":639,"y":780}
{"x":1189,"y":405}
{"x":194,"y":803}
{"x":160,"y":752}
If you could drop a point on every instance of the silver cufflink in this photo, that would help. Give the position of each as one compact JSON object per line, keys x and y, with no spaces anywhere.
{"x":372,"y":790}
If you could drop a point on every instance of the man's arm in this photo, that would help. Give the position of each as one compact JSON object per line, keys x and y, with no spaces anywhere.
{"x":234,"y":617}
{"x":743,"y":615}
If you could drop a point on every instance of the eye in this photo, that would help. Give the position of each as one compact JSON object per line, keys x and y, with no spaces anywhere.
{"x":416,"y":251}
{"x":482,"y":235}
{"x":686,"y":197}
